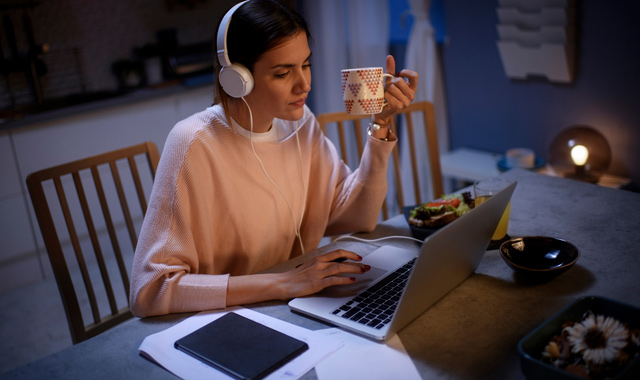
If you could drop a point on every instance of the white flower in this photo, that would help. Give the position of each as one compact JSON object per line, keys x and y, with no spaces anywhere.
{"x":598,"y":338}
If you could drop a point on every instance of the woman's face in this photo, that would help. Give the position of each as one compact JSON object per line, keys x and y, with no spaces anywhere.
{"x":282,"y":78}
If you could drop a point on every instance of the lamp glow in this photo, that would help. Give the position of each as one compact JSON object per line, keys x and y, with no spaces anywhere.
{"x":580,"y":152}
{"x":579,"y":155}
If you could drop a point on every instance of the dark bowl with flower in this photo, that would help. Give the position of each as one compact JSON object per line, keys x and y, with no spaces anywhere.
{"x":593,"y":338}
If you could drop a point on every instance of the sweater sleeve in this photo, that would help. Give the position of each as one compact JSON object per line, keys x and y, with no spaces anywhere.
{"x":166,"y":275}
{"x":359,"y":195}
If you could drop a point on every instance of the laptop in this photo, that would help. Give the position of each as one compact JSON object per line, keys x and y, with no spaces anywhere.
{"x":446,"y":259}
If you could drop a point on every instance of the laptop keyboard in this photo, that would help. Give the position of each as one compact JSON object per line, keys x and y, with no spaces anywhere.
{"x":375,"y":306}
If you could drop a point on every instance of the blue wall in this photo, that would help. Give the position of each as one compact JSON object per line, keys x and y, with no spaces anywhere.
{"x":491,"y":112}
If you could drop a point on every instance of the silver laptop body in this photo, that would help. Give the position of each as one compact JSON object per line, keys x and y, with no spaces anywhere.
{"x":446,"y":259}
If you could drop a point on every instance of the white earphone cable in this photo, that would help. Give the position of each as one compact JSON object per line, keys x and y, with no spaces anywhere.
{"x":296,"y":226}
{"x":304,"y":186}
{"x":350,"y":237}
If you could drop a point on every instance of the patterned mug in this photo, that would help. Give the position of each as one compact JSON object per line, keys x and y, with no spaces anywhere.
{"x":363,"y":90}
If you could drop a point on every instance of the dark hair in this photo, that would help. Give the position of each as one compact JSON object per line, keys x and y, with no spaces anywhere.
{"x":256,"y":27}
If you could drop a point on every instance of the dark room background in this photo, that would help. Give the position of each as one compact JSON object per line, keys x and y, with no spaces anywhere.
{"x":487,"y":110}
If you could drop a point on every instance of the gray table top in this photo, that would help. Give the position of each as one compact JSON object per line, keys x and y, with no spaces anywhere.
{"x":470,"y":333}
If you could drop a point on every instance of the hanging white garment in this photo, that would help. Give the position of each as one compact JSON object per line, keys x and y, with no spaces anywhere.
{"x":346,"y":34}
{"x":422,"y":57}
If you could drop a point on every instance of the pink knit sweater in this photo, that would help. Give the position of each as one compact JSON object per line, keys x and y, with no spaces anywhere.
{"x":213,"y":212}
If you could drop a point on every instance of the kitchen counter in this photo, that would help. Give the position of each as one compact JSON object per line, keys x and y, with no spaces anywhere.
{"x":84,"y":103}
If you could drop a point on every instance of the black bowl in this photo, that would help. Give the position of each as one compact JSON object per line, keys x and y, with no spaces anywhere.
{"x":539,"y":255}
{"x":530,"y":347}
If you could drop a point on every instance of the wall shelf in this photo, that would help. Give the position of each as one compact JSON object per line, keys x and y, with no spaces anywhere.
{"x":537,"y":38}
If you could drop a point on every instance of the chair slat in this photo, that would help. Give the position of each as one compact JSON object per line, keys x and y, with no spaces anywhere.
{"x":127,"y":217}
{"x":138,"y":184}
{"x":97,"y":250}
{"x":434,"y":155}
{"x":412,"y":156}
{"x":113,"y":237}
{"x":123,"y":202}
{"x":343,"y":145}
{"x":359,"y":140}
{"x":398,"y":178}
{"x":75,"y":242}
{"x":152,"y":157}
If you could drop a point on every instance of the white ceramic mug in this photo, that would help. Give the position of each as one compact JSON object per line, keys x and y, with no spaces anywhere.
{"x":363,"y":90}
{"x":520,"y":158}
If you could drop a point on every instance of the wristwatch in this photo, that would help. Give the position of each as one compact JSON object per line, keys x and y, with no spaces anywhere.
{"x":376,"y":127}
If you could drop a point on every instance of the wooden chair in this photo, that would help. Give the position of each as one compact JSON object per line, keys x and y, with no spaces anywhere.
{"x":359,"y":124}
{"x":99,"y":189}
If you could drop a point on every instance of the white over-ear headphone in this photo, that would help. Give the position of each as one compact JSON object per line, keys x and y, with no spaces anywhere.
{"x":235,"y":78}
{"x":237,"y":81}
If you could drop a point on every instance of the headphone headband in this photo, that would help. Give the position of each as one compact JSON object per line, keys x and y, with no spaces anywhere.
{"x":223,"y":55}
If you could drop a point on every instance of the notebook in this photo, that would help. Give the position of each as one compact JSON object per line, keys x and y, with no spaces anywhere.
{"x":446,"y":259}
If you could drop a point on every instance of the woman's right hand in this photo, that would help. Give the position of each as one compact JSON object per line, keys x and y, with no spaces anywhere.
{"x":320,"y":272}
{"x":308,"y":278}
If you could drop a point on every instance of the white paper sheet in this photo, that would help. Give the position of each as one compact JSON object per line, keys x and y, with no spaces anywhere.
{"x":159,"y":347}
{"x":361,"y":358}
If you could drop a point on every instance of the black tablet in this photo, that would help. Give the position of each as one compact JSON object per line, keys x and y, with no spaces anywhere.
{"x":241,"y":347}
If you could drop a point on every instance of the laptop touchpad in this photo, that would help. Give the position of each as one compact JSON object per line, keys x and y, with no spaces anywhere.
{"x":362,"y":282}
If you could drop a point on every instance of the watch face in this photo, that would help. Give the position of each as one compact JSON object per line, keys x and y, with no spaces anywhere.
{"x":375,"y":127}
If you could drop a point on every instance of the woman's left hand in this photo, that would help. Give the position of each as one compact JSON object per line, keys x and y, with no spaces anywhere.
{"x":398,"y":92}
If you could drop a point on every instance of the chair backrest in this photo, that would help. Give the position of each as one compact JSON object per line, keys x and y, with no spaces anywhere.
{"x":97,"y":215}
{"x":359,"y":124}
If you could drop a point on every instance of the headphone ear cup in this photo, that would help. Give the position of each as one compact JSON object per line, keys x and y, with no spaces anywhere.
{"x":236,"y":80}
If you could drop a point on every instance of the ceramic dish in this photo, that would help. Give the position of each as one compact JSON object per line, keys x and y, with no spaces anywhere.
{"x":503,"y":167}
{"x":539,"y":255}
{"x":532,"y":346}
{"x":418,"y":232}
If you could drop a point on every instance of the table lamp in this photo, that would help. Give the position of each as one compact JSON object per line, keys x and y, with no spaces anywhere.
{"x":580,"y":152}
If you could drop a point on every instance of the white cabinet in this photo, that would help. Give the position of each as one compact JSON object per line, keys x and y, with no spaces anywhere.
{"x":18,"y":260}
{"x":469,"y":165}
{"x":10,"y":183}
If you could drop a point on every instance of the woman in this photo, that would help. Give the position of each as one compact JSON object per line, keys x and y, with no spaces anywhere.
{"x":251,"y":182}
